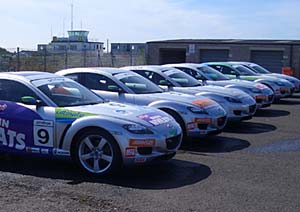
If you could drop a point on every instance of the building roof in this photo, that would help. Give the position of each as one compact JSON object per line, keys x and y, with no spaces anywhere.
{"x":229,"y":41}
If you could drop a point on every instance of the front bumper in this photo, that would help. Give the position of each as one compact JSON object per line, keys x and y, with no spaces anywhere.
{"x":202,"y":127}
{"x":240,"y":112}
{"x":141,"y":152}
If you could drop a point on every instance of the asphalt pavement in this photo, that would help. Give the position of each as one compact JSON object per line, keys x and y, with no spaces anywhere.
{"x":251,"y":166}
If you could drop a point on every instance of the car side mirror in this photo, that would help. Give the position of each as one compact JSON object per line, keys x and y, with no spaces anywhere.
{"x":164,"y":83}
{"x":29,"y":100}
{"x":115,"y":88}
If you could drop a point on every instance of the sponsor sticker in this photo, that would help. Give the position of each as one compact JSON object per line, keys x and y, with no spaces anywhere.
{"x":33,"y":150}
{"x":142,"y":142}
{"x":3,"y":107}
{"x":154,"y":118}
{"x":203,"y":120}
{"x":190,"y":126}
{"x":43,"y":133}
{"x":66,"y":115}
{"x":203,"y":102}
{"x":140,"y":160}
{"x":130,"y":152}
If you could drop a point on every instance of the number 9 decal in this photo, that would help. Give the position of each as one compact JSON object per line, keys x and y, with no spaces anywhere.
{"x":43,"y":133}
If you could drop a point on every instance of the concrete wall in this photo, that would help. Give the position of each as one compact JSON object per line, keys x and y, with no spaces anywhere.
{"x":237,"y":52}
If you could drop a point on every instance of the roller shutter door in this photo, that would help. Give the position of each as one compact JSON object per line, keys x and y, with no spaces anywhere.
{"x":213,"y":55}
{"x":271,"y":60}
{"x":172,"y":56}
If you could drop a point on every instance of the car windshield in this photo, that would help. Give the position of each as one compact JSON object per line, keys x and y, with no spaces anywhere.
{"x":260,"y":69}
{"x":243,"y":71}
{"x":138,"y":84}
{"x":64,"y":92}
{"x":183,"y":79}
{"x":212,"y":74}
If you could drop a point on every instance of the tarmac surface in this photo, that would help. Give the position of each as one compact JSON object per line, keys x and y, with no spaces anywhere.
{"x":251,"y":166}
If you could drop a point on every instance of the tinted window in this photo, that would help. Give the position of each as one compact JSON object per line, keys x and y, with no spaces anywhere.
{"x":65,"y":92}
{"x":14,"y":91}
{"x":154,"y":77}
{"x":99,"y":82}
{"x":212,"y":74}
{"x":138,"y":84}
{"x":244,"y":71}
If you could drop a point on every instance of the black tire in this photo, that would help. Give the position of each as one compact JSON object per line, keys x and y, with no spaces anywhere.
{"x":96,"y":152}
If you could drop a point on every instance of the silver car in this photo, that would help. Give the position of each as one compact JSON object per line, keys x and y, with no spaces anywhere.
{"x":261,"y":70}
{"x":197,"y":116}
{"x":48,"y":115}
{"x":281,"y":88}
{"x":238,"y":105}
{"x":263,"y":95}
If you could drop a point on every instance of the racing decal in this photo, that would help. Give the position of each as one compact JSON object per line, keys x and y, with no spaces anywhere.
{"x":249,"y":78}
{"x":66,"y":115}
{"x":61,"y":152}
{"x":43,"y":133}
{"x":154,"y":118}
{"x":203,"y":102}
{"x":16,"y":126}
{"x":123,"y":112}
{"x":3,"y":107}
{"x":173,"y":132}
{"x":260,"y":86}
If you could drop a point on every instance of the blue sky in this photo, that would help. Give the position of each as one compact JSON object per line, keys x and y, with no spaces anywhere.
{"x":26,"y":23}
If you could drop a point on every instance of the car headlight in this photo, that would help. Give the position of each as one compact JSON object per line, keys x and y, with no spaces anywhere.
{"x":137,"y":129}
{"x":232,"y":100}
{"x":255,"y":90}
{"x":197,"y":110}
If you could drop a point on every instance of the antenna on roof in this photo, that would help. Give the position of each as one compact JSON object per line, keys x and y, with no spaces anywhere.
{"x":72,"y":7}
{"x":64,"y":27}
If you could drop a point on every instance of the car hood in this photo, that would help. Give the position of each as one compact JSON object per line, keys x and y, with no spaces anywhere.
{"x":283,"y":76}
{"x":217,"y":90}
{"x":186,"y":99}
{"x":237,"y":82}
{"x":130,"y":113}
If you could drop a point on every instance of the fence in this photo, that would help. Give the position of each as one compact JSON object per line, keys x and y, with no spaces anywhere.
{"x":25,"y":60}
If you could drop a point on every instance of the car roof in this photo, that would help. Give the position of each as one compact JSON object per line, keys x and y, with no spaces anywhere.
{"x":217,"y":63}
{"x":99,"y":70}
{"x":28,"y":75}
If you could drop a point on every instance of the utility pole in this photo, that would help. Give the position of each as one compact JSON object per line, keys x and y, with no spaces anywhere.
{"x":107,"y":43}
{"x":72,"y":8}
{"x":18,"y":59}
{"x":45,"y":59}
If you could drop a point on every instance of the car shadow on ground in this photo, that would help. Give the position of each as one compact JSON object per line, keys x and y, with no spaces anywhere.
{"x":166,"y":175}
{"x":271,"y":113}
{"x":288,"y":101}
{"x":216,"y":144}
{"x":247,"y":127}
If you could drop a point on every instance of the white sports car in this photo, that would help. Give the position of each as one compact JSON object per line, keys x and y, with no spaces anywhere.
{"x":238,"y":104}
{"x":198,"y":116}
{"x":49,"y":115}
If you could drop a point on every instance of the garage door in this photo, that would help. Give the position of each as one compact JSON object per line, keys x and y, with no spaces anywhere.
{"x":213,"y":55}
{"x":172,"y":56}
{"x":271,"y":60}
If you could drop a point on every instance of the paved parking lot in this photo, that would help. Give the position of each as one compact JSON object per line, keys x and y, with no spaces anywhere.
{"x":252,"y":166}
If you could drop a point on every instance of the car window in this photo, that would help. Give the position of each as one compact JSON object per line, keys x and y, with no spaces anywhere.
{"x":65,"y":92}
{"x":244,"y":71}
{"x":99,"y":82}
{"x":14,"y":91}
{"x":154,"y":77}
{"x":188,"y":71}
{"x":211,"y":73}
{"x":138,"y":84}
{"x":74,"y":77}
